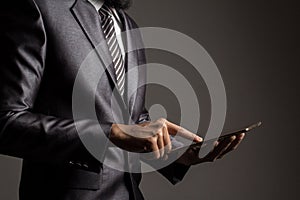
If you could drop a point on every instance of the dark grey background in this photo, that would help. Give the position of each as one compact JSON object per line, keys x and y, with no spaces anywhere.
{"x":256,"y":47}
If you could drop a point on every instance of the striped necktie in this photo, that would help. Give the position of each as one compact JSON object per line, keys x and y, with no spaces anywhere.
{"x":113,"y":46}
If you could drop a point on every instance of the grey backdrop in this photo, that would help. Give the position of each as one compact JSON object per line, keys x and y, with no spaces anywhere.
{"x":256,"y":46}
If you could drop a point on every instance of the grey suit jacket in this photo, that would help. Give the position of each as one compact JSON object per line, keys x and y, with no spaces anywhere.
{"x":43,"y":44}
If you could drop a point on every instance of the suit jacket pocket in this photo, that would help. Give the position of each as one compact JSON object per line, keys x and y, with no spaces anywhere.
{"x":80,"y":179}
{"x":41,"y":175}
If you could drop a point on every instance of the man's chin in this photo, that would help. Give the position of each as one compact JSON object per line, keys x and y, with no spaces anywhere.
{"x":119,"y":4}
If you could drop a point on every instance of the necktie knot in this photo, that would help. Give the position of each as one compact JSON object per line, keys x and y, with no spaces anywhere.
{"x":105,"y":12}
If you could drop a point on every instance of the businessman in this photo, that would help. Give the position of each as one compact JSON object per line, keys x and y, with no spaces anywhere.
{"x":43,"y":44}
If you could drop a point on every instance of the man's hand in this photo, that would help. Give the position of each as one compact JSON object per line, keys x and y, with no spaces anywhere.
{"x":191,"y":156}
{"x":149,"y":137}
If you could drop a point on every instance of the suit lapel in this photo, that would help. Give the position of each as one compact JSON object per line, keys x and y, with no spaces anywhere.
{"x":88,"y":19}
{"x":132,"y":75}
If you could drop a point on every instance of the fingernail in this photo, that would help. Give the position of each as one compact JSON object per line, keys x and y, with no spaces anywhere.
{"x":199,"y":139}
{"x":165,"y":157}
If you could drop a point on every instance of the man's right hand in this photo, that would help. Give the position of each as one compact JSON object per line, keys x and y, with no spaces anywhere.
{"x":149,"y":137}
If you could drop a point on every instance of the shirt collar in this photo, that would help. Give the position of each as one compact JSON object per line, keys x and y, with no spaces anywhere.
{"x":98,"y":4}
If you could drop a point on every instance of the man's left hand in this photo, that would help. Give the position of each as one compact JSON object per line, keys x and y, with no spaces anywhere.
{"x":191,"y":156}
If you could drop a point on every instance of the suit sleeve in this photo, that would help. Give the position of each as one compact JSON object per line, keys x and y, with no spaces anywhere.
{"x":174,"y":172}
{"x":23,"y":133}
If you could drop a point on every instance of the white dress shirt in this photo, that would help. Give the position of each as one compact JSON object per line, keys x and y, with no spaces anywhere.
{"x":117,"y":23}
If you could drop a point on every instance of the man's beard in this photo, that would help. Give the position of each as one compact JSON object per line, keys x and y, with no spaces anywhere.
{"x":119,"y":4}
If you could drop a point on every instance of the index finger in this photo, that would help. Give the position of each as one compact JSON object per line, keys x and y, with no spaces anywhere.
{"x":175,"y":129}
